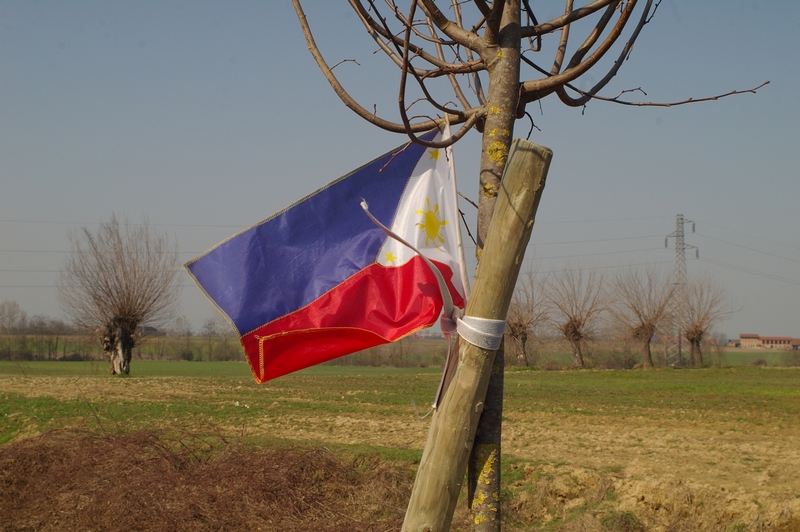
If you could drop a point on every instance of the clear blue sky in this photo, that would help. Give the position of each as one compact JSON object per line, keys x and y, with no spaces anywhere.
{"x":210,"y":116}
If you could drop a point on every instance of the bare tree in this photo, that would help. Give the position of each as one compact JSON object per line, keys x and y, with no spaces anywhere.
{"x":526,"y":315}
{"x":116,"y":279}
{"x":182,"y":329}
{"x":474,"y":64}
{"x":12,"y":317}
{"x":218,"y":333}
{"x":576,"y":300}
{"x":702,"y":304}
{"x":640,"y":303}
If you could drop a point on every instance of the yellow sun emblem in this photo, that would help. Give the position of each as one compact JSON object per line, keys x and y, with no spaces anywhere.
{"x":431,"y":224}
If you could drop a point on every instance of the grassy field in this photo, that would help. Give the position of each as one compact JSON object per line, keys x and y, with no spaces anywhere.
{"x":704,"y":449}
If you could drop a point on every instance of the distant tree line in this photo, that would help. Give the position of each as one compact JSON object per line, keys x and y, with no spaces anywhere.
{"x":32,"y":337}
{"x":39,"y":337}
{"x":632,"y":310}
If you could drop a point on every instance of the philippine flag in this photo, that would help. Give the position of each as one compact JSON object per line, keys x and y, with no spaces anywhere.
{"x":320,"y":280}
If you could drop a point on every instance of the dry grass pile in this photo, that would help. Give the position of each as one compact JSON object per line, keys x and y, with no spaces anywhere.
{"x":69,"y":480}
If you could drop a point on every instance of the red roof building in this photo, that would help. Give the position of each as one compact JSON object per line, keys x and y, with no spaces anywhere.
{"x":776,"y":341}
{"x":747,"y":340}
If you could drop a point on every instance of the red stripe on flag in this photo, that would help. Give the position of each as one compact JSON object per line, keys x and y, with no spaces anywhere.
{"x":375,"y":306}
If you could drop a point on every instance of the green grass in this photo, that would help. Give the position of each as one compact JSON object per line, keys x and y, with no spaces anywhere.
{"x":220,"y":400}
{"x":688,"y":394}
{"x":736,"y":357}
{"x":176,"y":393}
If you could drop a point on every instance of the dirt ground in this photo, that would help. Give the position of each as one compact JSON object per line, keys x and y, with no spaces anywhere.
{"x":568,"y":472}
{"x":669,"y":474}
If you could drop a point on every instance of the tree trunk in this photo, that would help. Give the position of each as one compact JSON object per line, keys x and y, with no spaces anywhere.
{"x":452,"y":431}
{"x":503,"y":69}
{"x":577,"y":354}
{"x":647,"y":356}
{"x":483,"y":473}
{"x":697,"y":354}
{"x":118,"y":344}
{"x":522,"y":357}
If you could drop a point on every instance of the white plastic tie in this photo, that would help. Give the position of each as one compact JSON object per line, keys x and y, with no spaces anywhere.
{"x":482,"y":332}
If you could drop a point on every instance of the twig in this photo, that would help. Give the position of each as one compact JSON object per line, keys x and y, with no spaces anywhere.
{"x":345,"y":61}
{"x":673,"y":104}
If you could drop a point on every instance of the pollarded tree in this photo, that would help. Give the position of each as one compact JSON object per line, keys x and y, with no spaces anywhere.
{"x":576,"y":299}
{"x":526,"y":315}
{"x":478,"y":64}
{"x":116,"y":279}
{"x":640,"y":303}
{"x":701,"y":305}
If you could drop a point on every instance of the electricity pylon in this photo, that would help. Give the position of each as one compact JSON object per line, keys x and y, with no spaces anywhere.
{"x":673,"y":352}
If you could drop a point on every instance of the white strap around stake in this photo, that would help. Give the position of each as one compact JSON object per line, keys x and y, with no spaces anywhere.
{"x":482,"y":332}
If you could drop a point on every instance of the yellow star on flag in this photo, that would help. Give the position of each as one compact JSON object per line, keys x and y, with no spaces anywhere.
{"x":390,"y":257}
{"x":435,"y":154}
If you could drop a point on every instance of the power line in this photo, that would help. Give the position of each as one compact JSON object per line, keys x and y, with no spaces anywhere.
{"x":752,"y":272}
{"x":593,"y":254}
{"x":600,"y":220}
{"x":592,"y":240}
{"x":53,"y":222}
{"x":54,"y":286}
{"x":749,"y":248}
{"x":782,"y":244}
{"x":31,"y":271}
{"x":556,"y":222}
{"x":72,"y":251}
{"x":582,"y":268}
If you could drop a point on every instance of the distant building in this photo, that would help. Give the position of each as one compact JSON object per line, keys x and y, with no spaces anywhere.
{"x":780,"y":342}
{"x":749,"y":341}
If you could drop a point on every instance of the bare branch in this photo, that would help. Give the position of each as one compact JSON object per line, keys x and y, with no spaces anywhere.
{"x":451,"y":77}
{"x":673,"y":104}
{"x":532,"y":18}
{"x":482,"y":7}
{"x":476,"y":80}
{"x":471,"y":121}
{"x":567,"y":18}
{"x":535,"y":89}
{"x":381,"y":35}
{"x":452,"y":30}
{"x":577,"y":102}
{"x":345,"y":61}
{"x":562,"y":45}
{"x":345,"y":96}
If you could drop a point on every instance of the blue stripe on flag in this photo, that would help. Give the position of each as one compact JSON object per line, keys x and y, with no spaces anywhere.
{"x":287,"y":261}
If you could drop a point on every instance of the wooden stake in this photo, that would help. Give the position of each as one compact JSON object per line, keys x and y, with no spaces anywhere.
{"x":450,"y":437}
